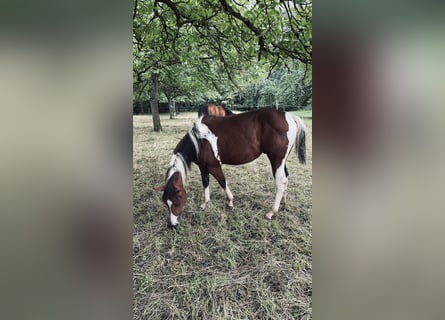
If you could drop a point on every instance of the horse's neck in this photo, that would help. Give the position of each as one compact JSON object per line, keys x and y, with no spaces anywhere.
{"x":193,"y":145}
{"x":189,"y":149}
{"x":184,"y":153}
{"x":202,"y":131}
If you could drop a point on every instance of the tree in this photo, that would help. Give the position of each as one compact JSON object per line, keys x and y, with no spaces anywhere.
{"x":289,"y":85}
{"x":154,"y":103}
{"x":185,"y":82}
{"x":217,"y":39}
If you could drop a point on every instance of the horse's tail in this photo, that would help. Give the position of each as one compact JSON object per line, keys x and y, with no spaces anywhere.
{"x":300,"y":140}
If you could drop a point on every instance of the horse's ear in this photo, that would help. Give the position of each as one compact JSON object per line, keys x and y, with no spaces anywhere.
{"x":160,"y":188}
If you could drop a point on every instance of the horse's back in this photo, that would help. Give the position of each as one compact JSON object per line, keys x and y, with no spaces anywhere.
{"x":265,"y":116}
{"x":247,"y":135}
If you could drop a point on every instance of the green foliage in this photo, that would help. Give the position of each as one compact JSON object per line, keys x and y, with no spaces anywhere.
{"x":285,"y":86}
{"x":202,"y":49}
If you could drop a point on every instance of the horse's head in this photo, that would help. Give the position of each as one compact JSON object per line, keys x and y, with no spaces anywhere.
{"x":174,"y":197}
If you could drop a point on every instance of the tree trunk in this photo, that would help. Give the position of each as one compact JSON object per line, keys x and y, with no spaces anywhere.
{"x":141,"y":105}
{"x":154,"y":103}
{"x":171,"y":108}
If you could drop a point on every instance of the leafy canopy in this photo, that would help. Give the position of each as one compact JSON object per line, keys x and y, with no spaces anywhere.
{"x":209,"y":46}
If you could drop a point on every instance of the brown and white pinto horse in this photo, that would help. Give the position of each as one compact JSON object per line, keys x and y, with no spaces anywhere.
{"x":214,"y":110}
{"x":233,"y":140}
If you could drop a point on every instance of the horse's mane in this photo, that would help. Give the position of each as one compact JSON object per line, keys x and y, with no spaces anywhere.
{"x":185,"y":152}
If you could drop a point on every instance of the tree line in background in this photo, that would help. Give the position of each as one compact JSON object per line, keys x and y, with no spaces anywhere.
{"x":239,"y":53}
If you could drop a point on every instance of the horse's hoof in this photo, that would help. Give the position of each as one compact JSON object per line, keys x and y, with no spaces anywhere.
{"x":269,"y":215}
{"x":172,"y":226}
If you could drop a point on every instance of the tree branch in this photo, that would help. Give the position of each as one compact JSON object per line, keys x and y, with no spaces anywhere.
{"x":247,"y":23}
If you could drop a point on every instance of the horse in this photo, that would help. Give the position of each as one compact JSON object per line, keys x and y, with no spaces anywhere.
{"x":234,"y":140}
{"x":214,"y":110}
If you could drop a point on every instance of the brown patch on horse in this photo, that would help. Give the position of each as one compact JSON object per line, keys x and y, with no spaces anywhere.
{"x":252,"y":139}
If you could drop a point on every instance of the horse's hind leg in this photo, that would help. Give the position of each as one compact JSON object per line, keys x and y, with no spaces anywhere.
{"x":286,"y":172}
{"x":280,"y":174}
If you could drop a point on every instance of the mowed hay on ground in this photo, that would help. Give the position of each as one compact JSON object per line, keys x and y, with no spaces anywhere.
{"x":220,"y":263}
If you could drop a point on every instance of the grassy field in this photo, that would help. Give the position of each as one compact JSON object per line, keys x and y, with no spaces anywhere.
{"x":220,"y":263}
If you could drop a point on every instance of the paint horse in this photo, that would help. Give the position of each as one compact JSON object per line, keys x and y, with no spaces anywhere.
{"x":213,"y":110}
{"x":233,"y":140}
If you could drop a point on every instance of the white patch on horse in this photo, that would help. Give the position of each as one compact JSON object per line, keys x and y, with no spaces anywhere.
{"x":280,"y":174}
{"x":173,"y":219}
{"x":194,"y":141}
{"x":177,"y":164}
{"x":204,"y":132}
{"x":206,"y":197}
{"x":229,"y":196}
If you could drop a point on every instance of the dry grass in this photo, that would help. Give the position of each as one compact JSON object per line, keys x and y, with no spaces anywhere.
{"x":220,"y":263}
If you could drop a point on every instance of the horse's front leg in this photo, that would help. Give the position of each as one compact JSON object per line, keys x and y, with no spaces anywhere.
{"x":229,"y":196}
{"x":205,"y":183}
{"x":216,"y":171}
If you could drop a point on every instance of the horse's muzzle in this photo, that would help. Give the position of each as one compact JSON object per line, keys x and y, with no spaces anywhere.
{"x":174,"y":220}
